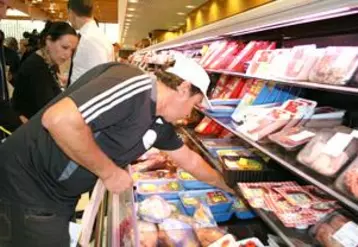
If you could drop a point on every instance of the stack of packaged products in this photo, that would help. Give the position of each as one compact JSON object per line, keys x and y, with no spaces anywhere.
{"x":179,"y":210}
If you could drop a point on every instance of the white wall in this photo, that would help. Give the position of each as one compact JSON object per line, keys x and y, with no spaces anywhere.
{"x":15,"y":28}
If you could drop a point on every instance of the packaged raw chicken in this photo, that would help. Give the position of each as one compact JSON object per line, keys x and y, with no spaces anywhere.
{"x":260,"y":64}
{"x":347,"y":182}
{"x":336,"y":65}
{"x":329,"y":151}
{"x":336,"y":230}
{"x":154,"y":209}
{"x":301,"y":60}
{"x":294,"y":137}
{"x":148,"y":234}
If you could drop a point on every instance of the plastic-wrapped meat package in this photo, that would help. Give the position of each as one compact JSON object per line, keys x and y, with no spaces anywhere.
{"x":328,"y":152}
{"x":336,"y":230}
{"x":220,"y":86}
{"x":246,"y":54}
{"x":209,"y":51}
{"x":208,"y":127}
{"x":279,"y":62}
{"x":148,"y":234}
{"x":260,"y":64}
{"x":292,"y":138}
{"x":215,"y":53}
{"x":347,"y":182}
{"x":226,"y":56}
{"x":233,"y":88}
{"x":301,"y":60}
{"x":336,"y":66}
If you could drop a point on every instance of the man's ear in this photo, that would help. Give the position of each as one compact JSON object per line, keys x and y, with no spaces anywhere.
{"x":184,"y":89}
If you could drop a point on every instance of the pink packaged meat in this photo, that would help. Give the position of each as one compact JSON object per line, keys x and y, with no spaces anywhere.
{"x":292,"y":138}
{"x":260,"y":64}
{"x":329,"y":151}
{"x":335,"y":66}
{"x":246,"y":54}
{"x":226,"y":56}
{"x":279,"y":62}
{"x":217,"y":50}
{"x":336,"y":230}
{"x":347,"y":182}
{"x":301,"y":60}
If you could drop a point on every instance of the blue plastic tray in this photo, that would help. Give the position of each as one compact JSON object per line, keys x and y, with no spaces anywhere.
{"x":193,"y":184}
{"x":178,"y":204}
{"x":245,"y":215}
{"x":215,"y":209}
{"x":166,"y":195}
{"x":223,"y":217}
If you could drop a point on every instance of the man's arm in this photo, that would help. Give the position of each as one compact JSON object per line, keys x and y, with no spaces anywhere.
{"x":201,"y":170}
{"x":69,"y":130}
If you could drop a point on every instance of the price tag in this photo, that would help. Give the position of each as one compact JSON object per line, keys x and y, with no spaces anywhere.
{"x":347,"y":235}
{"x":301,"y":136}
{"x":337,"y":144}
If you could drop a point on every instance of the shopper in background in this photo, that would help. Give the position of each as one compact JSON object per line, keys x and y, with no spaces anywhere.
{"x":94,"y":48}
{"x":22,"y":47}
{"x":37,"y":81}
{"x":109,"y":118}
{"x":11,"y":57}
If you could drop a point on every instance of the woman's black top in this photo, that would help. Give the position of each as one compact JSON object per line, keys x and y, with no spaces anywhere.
{"x":35,"y":85}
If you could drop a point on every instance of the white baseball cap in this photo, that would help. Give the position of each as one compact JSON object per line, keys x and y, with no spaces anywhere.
{"x":190,"y":71}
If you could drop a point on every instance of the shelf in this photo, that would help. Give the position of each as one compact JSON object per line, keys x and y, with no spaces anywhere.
{"x":288,"y":160}
{"x":303,"y":84}
{"x":192,"y":137}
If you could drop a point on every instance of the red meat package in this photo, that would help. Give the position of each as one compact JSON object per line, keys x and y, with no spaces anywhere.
{"x":233,"y":88}
{"x":246,"y":54}
{"x":347,"y":182}
{"x":209,"y":51}
{"x":301,"y":60}
{"x":220,"y":86}
{"x":208,"y":126}
{"x":297,"y":196}
{"x":231,"y":50}
{"x":215,"y":53}
{"x":260,"y":64}
{"x":336,"y":65}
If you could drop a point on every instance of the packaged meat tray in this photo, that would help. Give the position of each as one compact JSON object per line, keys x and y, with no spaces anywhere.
{"x":325,"y":117}
{"x":191,"y":183}
{"x":226,"y":56}
{"x":336,"y":230}
{"x":329,"y":151}
{"x":279,"y":63}
{"x":154,"y":209}
{"x":336,"y":65}
{"x":301,"y":60}
{"x":217,"y":200}
{"x":168,"y":189}
{"x":153,"y":175}
{"x":293,"y":138}
{"x":347,"y":182}
{"x":250,"y":242}
{"x":260,"y":64}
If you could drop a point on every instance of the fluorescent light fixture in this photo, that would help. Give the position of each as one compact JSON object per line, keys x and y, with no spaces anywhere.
{"x":129,"y":15}
{"x":180,"y":13}
{"x":128,"y":20}
{"x":131,"y":9}
{"x":190,"y":7}
{"x":133,"y":1}
{"x":15,"y":12}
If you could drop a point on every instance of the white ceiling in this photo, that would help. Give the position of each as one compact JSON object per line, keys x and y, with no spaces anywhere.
{"x":149,"y":15}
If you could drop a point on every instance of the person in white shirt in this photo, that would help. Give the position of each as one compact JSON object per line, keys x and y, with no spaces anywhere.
{"x":94,"y":48}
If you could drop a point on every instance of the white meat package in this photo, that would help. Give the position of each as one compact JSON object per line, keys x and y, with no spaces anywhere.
{"x":301,"y":60}
{"x":260,"y":64}
{"x":336,"y":66}
{"x":329,"y":151}
{"x":289,"y":115}
{"x":279,"y":63}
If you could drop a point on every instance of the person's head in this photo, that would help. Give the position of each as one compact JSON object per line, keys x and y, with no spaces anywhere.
{"x":184,"y":85}
{"x":60,"y":40}
{"x":23,"y":46}
{"x":80,"y":12}
{"x":11,"y":43}
{"x":3,"y":8}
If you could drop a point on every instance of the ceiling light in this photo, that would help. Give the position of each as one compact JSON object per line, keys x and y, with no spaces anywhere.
{"x":128,"y":20}
{"x":129,"y":15}
{"x":180,"y":13}
{"x":131,"y":9}
{"x":133,"y":1}
{"x":190,"y":7}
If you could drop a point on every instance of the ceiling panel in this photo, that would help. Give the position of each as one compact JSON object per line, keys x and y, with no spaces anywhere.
{"x":149,"y":15}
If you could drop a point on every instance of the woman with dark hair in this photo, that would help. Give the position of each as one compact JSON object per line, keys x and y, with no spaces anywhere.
{"x":37,"y":81}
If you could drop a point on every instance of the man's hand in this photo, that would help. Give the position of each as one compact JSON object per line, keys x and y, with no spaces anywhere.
{"x":118,"y":181}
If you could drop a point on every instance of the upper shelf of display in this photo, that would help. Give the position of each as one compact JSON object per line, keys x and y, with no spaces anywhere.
{"x":280,"y":13}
